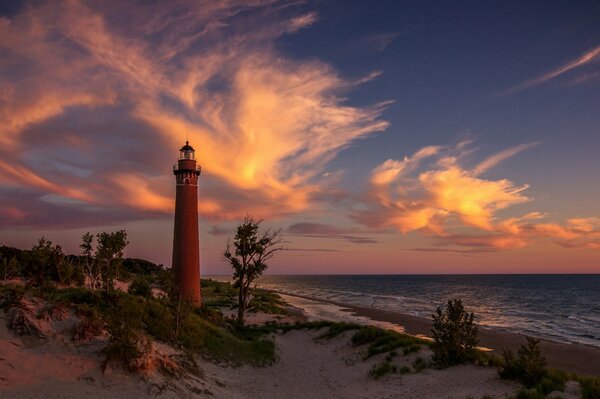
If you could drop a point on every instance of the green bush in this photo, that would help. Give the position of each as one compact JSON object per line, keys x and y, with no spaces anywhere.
{"x":126,"y":342}
{"x":140,"y":286}
{"x":530,"y":394}
{"x":420,"y":364}
{"x":382,"y":341}
{"x":159,"y":320}
{"x":454,"y":335}
{"x":379,"y":370}
{"x":590,"y":387}
{"x":528,"y":366}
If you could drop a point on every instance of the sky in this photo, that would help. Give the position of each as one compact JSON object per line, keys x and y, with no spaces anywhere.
{"x":378,"y":136}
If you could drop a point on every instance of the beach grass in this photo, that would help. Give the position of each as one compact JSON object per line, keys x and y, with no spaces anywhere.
{"x":198,"y":331}
{"x":219,"y":294}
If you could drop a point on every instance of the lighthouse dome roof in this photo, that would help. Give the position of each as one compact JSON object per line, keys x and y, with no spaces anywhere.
{"x":187,"y":147}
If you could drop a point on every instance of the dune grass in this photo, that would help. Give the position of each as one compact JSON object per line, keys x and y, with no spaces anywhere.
{"x":217,"y":294}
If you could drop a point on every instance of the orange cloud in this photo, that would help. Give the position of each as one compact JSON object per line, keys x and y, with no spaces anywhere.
{"x":264,"y":126}
{"x":432,"y":193}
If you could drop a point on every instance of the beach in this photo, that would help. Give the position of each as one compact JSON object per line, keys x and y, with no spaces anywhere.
{"x":307,"y":364}
{"x":577,"y":358}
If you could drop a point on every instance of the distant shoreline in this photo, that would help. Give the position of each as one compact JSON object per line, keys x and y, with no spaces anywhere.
{"x":575,"y":357}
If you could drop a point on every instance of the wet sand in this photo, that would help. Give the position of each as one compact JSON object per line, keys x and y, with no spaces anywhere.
{"x":578,"y":358}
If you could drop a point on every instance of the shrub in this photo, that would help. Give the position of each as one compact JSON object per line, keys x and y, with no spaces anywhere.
{"x":379,"y":370}
{"x":366,"y":335}
{"x":420,"y":364}
{"x":530,"y":394}
{"x":140,"y":286}
{"x":126,"y":341}
{"x":528,"y":366}
{"x":454,"y":335}
{"x":590,"y":387}
{"x":382,"y":341}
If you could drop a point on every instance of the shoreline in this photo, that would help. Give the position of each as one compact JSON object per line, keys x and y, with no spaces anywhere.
{"x":574,"y":357}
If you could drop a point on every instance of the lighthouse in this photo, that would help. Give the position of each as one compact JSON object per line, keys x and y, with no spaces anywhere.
{"x":186,"y":251}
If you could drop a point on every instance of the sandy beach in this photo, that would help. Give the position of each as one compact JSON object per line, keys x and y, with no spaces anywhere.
{"x":51,"y":364}
{"x":307,"y":367}
{"x":577,"y":358}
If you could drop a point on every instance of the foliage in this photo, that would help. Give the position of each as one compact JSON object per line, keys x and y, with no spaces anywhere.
{"x":9,"y":268}
{"x":10,"y":296}
{"x":530,"y":394}
{"x":528,"y":366}
{"x":590,"y":387}
{"x":140,"y":286}
{"x":49,"y":263}
{"x":381,"y":369}
{"x":249,"y":257}
{"x":126,"y":342}
{"x":141,"y":267}
{"x":420,"y":364}
{"x":109,"y":252}
{"x":454,"y":335}
{"x":382,"y":341}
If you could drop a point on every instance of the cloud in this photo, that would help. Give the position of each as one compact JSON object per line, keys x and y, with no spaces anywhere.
{"x":584,"y":59}
{"x":217,"y":230}
{"x":381,"y":41}
{"x":95,"y":99}
{"x":500,"y":157}
{"x":318,"y":230}
{"x":433,"y":193}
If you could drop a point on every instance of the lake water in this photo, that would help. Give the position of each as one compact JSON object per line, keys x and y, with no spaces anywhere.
{"x":557,"y":307}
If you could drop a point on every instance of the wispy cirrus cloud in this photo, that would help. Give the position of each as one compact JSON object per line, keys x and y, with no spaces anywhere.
{"x":588,"y":57}
{"x":96,"y":98}
{"x":433,"y":193}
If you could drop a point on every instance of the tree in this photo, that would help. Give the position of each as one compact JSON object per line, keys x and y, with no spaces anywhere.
{"x":92,"y":270}
{"x":454,"y":335}
{"x":110,"y":253}
{"x":528,"y":367}
{"x":9,"y":268}
{"x":248,"y":258}
{"x":47,"y":261}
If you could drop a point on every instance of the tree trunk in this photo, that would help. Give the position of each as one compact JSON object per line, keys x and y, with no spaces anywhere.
{"x":241,"y":304}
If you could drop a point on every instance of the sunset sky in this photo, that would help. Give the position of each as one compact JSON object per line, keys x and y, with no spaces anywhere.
{"x":379,"y":136}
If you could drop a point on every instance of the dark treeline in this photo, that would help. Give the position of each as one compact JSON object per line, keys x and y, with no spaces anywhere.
{"x":96,"y":266}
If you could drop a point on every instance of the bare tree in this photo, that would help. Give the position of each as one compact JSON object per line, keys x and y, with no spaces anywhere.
{"x":101,"y":263}
{"x":9,"y":268}
{"x":248,"y":258}
{"x":92,"y":271}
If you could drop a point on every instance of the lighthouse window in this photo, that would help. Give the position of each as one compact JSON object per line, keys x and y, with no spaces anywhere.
{"x":187,"y":155}
{"x":186,"y":181}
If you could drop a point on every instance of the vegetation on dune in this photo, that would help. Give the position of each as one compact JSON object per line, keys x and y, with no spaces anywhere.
{"x":217,"y":294}
{"x":528,"y":366}
{"x":248,"y":257}
{"x":135,"y":319}
{"x":454,"y":335}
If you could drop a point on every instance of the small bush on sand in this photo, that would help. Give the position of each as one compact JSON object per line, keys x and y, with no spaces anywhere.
{"x":454,"y":335}
{"x":126,"y":341}
{"x":590,"y":387}
{"x":382,"y":341}
{"x":420,"y":364}
{"x":140,"y":286}
{"x":530,"y":394}
{"x":379,"y":370}
{"x":527,"y":367}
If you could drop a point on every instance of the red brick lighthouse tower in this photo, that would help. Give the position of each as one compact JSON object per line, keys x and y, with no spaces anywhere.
{"x":186,"y":253}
